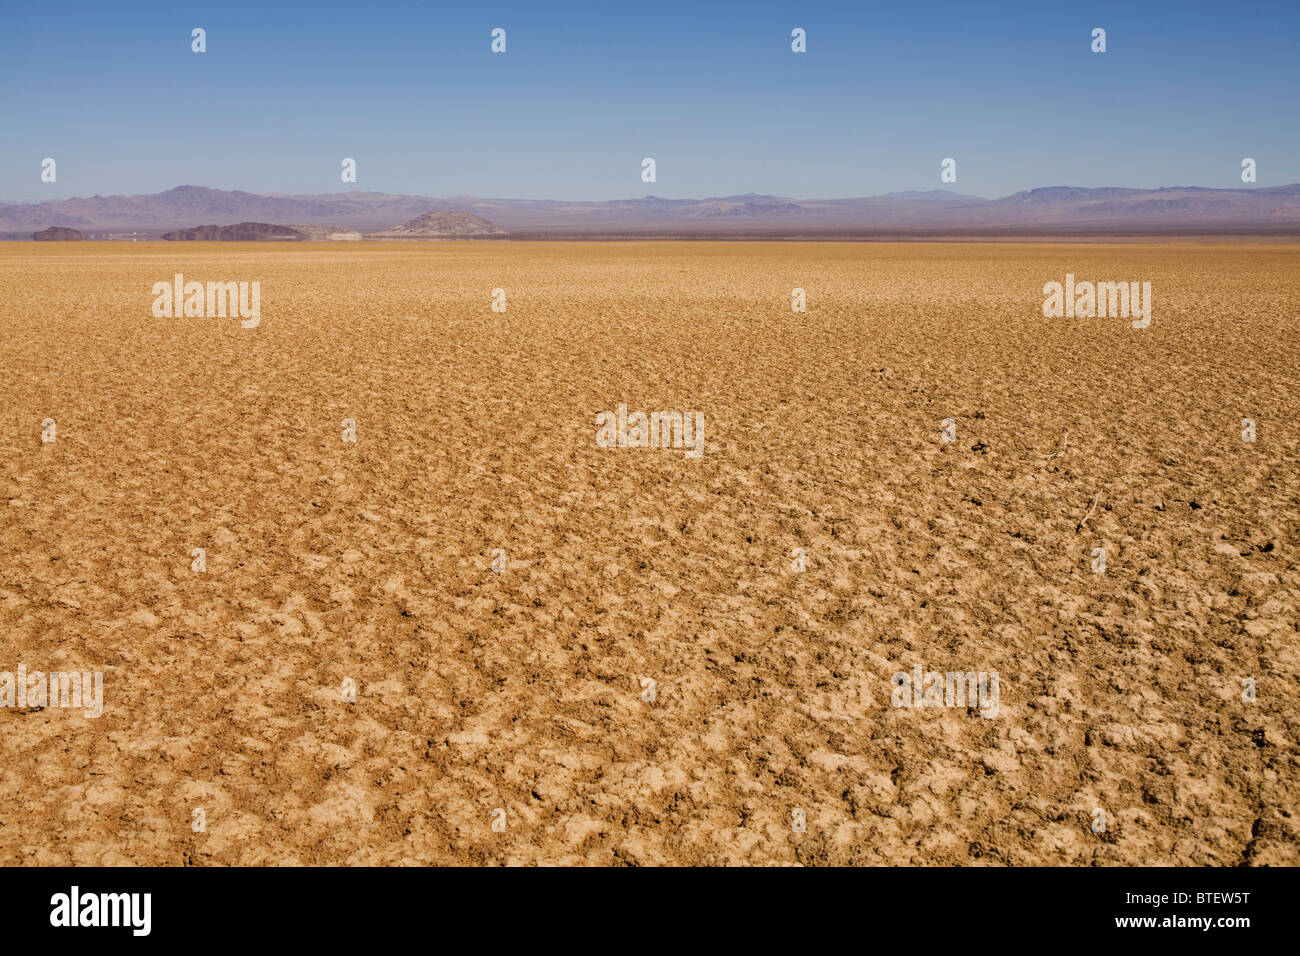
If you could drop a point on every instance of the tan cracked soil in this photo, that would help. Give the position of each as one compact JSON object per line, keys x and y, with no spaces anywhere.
{"x":522,"y":690}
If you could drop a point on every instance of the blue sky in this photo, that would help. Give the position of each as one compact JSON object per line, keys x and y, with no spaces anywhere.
{"x":712,"y":91}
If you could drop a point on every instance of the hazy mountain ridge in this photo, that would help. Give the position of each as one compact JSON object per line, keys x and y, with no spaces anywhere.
{"x":1051,"y":208}
{"x":939,"y":195}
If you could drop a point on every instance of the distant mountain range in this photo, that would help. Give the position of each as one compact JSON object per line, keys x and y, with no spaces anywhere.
{"x":1056,"y":210}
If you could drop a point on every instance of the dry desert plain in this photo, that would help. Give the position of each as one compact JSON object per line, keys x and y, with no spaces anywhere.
{"x":525,"y":690}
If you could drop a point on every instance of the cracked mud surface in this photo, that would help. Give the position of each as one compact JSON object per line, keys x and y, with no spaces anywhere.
{"x":522,"y":690}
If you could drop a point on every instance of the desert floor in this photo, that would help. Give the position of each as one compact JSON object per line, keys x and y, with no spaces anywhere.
{"x":526,"y":690}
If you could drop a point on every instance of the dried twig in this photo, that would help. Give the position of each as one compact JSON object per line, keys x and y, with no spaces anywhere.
{"x":1093,"y":507}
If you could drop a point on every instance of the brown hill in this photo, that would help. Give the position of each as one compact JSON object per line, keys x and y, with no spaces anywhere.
{"x":447,"y":224}
{"x":240,"y":232}
{"x":58,"y":234}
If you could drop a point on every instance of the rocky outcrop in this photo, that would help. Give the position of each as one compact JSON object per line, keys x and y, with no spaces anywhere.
{"x":240,"y":232}
{"x":448,"y":224}
{"x":58,"y":234}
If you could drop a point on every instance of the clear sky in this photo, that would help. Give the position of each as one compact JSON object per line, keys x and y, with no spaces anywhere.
{"x":712,"y":91}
